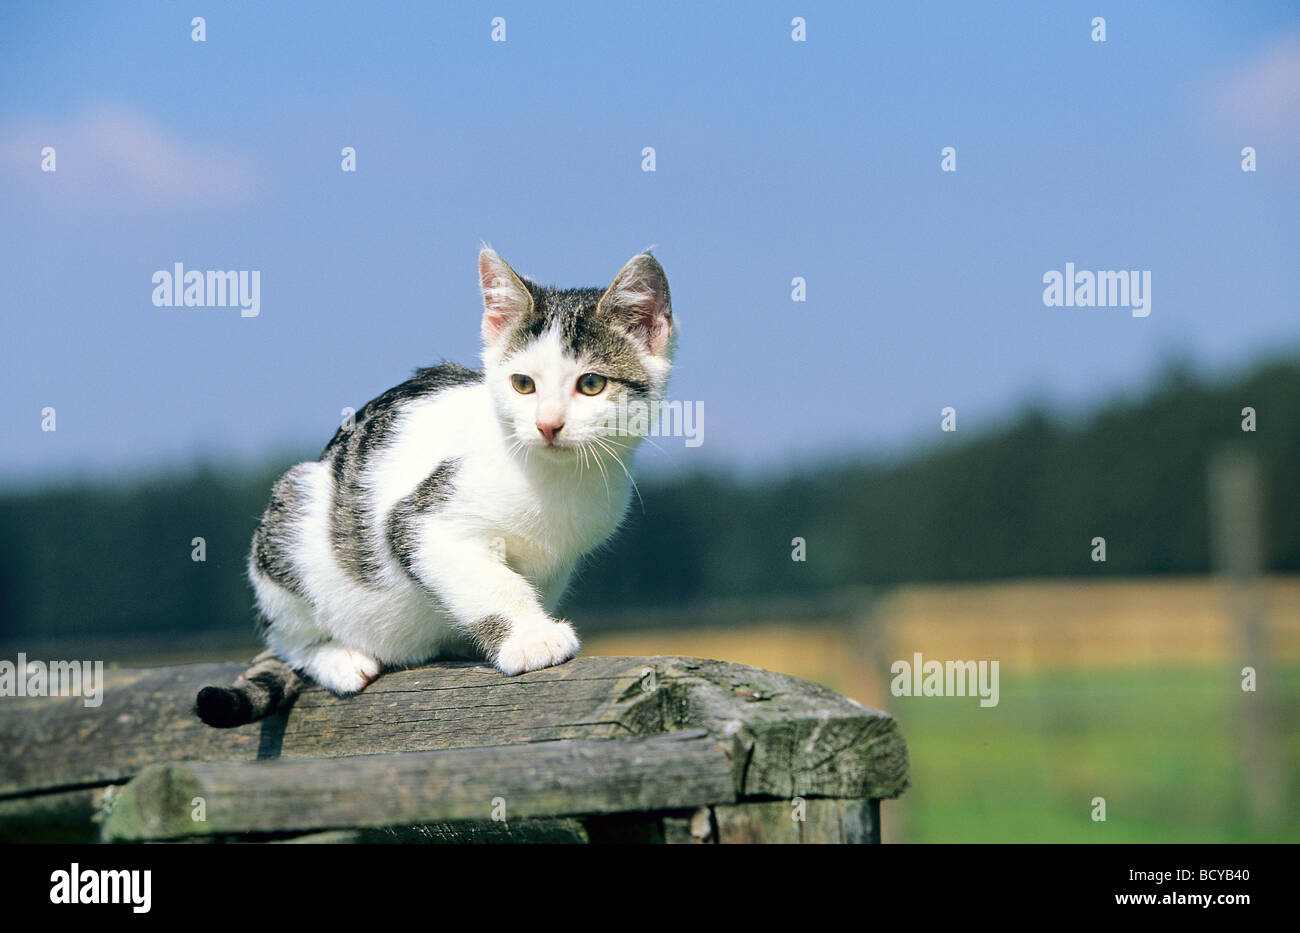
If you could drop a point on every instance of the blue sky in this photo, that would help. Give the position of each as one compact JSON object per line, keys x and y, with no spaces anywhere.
{"x":775,"y":159}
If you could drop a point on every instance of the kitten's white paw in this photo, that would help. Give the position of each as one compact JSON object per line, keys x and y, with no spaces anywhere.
{"x":537,"y":647}
{"x":342,"y":670}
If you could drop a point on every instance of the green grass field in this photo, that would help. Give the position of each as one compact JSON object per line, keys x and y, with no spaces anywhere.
{"x":1162,"y":747}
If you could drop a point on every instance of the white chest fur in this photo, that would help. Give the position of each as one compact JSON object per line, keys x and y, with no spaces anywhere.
{"x":543,"y":509}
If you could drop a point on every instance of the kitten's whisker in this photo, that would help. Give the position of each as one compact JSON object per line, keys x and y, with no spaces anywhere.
{"x":646,"y":440}
{"x":626,"y":472}
{"x":609,"y":496}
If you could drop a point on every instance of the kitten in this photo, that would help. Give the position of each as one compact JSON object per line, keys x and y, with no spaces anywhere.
{"x":451,"y":516}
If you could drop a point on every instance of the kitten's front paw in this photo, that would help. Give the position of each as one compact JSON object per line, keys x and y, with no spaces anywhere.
{"x":537,"y":647}
{"x":342,"y":670}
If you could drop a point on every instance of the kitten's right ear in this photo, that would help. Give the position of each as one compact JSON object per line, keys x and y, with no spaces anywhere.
{"x":505,"y":297}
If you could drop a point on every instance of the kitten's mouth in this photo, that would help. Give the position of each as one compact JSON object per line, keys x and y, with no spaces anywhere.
{"x":555,"y":447}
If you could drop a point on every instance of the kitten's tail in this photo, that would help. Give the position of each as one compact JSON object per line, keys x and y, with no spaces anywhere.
{"x":266,"y":687}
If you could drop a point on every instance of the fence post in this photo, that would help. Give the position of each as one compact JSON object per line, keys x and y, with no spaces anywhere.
{"x":1237,"y":553}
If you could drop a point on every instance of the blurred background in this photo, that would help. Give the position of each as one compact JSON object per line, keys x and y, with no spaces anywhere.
{"x":774,"y":159}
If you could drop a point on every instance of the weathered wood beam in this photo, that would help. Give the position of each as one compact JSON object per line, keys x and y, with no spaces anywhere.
{"x":544,"y":779}
{"x":604,"y":748}
{"x":785,"y":737}
{"x":558,"y":831}
{"x":819,"y":820}
{"x":789,"y":738}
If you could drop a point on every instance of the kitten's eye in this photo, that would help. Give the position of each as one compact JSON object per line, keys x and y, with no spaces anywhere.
{"x":591,"y":384}
{"x":524,"y":385}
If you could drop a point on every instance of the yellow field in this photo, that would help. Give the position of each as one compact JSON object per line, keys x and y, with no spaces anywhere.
{"x":1032,"y":625}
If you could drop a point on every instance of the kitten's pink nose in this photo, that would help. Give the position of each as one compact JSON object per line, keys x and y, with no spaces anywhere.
{"x":549,"y":429}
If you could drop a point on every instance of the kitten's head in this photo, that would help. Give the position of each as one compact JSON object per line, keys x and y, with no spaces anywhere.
{"x":559,"y":361}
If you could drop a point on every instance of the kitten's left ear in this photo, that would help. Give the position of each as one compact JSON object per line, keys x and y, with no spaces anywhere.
{"x":639,"y":298}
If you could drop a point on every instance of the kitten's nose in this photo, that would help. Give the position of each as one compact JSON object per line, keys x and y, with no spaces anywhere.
{"x":550,"y":429}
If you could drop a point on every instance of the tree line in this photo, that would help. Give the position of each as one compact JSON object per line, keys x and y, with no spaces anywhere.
{"x":1026,"y":499}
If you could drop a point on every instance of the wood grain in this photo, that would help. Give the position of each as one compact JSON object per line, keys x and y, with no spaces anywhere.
{"x":778,"y":737}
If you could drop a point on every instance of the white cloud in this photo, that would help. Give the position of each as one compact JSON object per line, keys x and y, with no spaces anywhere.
{"x":1257,"y":103}
{"x":113,"y":156}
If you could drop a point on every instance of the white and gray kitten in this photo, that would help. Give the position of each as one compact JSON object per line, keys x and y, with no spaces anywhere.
{"x":452,"y":514}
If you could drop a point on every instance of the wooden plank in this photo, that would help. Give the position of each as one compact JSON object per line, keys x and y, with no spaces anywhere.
{"x":796,"y":822}
{"x":544,"y":779}
{"x":147,"y":717}
{"x":559,"y":831}
{"x":785,"y":737}
{"x":789,"y":738}
{"x":822,"y":820}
